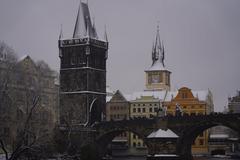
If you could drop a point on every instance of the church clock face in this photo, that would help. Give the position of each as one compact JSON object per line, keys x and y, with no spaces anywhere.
{"x":155,"y":78}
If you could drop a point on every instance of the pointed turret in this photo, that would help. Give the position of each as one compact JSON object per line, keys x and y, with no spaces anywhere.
{"x":61,"y":33}
{"x":105,"y":34}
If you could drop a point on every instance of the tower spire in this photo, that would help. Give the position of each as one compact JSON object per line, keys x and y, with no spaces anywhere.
{"x":153,"y":52}
{"x":163,"y":54}
{"x":158,"y":51}
{"x":83,"y":26}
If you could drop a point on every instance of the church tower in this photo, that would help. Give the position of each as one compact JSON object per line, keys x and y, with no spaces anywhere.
{"x":157,"y":76}
{"x":82,"y":72}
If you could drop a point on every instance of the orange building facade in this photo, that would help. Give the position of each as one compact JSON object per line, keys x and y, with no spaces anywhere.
{"x":191,"y":104}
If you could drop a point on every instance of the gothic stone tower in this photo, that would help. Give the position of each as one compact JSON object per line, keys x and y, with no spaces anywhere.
{"x":82,"y":73}
{"x":157,"y":76}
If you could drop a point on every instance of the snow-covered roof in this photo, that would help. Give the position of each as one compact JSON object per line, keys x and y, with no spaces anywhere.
{"x":217,"y":136}
{"x":157,"y":66}
{"x":137,"y":95}
{"x":108,"y":98}
{"x":160,"y":95}
{"x":163,"y":155}
{"x":23,"y":57}
{"x":201,"y":95}
{"x":163,"y":134}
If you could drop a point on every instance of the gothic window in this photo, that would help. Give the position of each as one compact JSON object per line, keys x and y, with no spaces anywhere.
{"x":73,"y":59}
{"x":97,"y":81}
{"x":87,"y":50}
{"x":19,"y":114}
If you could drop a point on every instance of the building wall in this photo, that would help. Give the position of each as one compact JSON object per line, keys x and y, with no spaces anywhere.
{"x":118,"y":109}
{"x":147,"y":107}
{"x":234,"y":107}
{"x":192,"y":106}
{"x":234,"y":103}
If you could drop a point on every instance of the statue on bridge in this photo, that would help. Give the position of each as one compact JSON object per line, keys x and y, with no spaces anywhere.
{"x":178,"y":111}
{"x":162,"y":110}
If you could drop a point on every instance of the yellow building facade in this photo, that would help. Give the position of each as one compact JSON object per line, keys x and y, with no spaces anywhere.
{"x":145,"y":106}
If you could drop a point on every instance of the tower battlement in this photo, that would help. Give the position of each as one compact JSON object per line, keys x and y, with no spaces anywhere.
{"x":82,"y":41}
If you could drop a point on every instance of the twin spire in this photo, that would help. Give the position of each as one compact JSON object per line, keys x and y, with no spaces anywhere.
{"x":158,"y":52}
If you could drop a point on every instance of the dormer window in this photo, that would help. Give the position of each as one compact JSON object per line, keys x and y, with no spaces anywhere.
{"x":184,"y":95}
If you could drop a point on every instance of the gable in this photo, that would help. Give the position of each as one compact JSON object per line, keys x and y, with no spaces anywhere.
{"x":28,"y":65}
{"x":118,"y":97}
{"x":184,"y":93}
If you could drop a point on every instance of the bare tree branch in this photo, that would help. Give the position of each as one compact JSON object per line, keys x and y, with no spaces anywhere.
{"x":4,"y":149}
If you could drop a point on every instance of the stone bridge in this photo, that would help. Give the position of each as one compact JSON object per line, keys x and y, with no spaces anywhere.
{"x":186,"y":127}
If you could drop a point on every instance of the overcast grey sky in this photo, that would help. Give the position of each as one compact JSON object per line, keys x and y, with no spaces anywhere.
{"x":201,"y":37}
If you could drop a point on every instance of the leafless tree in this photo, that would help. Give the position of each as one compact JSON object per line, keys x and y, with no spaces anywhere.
{"x":18,"y":83}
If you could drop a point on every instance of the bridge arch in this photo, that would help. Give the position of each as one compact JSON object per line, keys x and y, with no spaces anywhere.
{"x":107,"y":130}
{"x":190,"y":133}
{"x":106,"y":138}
